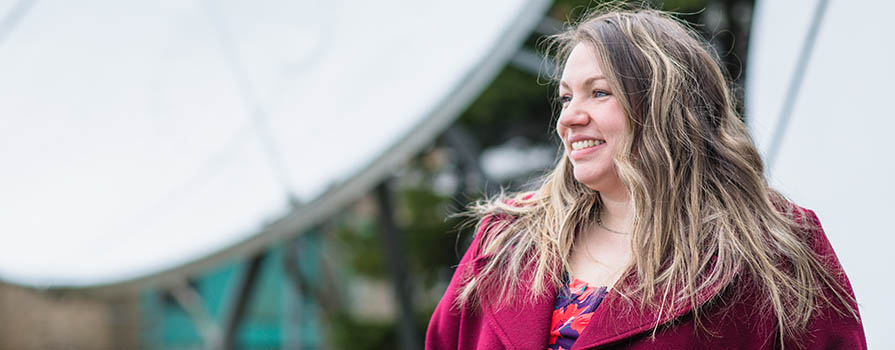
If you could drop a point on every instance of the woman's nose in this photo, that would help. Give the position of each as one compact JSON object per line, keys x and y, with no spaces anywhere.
{"x":573,"y":116}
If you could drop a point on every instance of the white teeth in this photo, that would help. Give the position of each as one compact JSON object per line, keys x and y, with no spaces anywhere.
{"x":586,"y":143}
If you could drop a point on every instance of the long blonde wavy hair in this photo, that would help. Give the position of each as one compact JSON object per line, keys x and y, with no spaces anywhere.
{"x":704,"y":214}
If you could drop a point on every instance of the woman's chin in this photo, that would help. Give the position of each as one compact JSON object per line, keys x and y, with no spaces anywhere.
{"x":589,"y":182}
{"x":597,"y":181}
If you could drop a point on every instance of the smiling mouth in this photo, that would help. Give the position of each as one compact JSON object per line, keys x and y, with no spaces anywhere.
{"x":577,"y":145}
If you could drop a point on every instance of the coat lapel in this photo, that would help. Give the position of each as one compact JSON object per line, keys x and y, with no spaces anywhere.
{"x":616,"y":318}
{"x":521,"y":325}
{"x":525,"y":325}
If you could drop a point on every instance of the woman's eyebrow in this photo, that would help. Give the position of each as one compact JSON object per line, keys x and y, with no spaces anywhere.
{"x":586,"y":82}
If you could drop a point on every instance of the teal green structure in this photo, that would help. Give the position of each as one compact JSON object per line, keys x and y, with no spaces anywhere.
{"x":277,"y":315}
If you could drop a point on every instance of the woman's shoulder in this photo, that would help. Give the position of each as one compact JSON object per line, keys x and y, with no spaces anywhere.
{"x":503,"y":207}
{"x":837,"y":320}
{"x":808,"y":224}
{"x":492,"y":218}
{"x":497,"y":213}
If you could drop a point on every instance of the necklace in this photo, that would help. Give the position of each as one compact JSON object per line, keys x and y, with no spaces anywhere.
{"x":600,"y":223}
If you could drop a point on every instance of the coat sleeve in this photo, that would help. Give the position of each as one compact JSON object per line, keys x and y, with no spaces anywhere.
{"x":445,"y":325}
{"x":830,"y":329}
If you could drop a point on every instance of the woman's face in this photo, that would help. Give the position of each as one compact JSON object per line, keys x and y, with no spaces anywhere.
{"x":592,"y":122}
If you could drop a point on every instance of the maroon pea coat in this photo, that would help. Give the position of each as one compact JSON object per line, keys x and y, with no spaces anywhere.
{"x":734,"y":322}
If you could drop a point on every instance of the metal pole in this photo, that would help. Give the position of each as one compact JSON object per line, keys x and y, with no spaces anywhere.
{"x":14,"y":17}
{"x":792,"y":94}
{"x":393,"y":243}
{"x":191,"y":302}
{"x":239,"y":303}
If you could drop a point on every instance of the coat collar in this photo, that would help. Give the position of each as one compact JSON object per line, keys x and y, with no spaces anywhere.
{"x":526,"y":325}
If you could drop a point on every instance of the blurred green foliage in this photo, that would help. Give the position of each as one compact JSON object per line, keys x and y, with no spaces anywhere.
{"x":429,"y":236}
{"x":516,"y":103}
{"x":359,"y":237}
{"x":349,"y":333}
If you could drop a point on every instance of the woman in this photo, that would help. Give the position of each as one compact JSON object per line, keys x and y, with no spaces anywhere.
{"x":656,"y":229}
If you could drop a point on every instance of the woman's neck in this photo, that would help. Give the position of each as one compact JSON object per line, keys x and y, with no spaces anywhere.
{"x":615,"y":212}
{"x":603,"y":250}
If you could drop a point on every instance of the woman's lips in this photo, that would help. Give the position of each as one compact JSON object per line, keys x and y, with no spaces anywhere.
{"x":584,"y":152}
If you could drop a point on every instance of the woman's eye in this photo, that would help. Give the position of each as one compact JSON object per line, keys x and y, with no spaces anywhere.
{"x":600,"y":93}
{"x":565,"y":99}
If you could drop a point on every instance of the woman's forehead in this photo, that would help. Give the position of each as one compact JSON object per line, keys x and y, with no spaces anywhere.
{"x":582,"y":67}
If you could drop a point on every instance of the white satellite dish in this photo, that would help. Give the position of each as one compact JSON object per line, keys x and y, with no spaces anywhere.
{"x":141,"y":137}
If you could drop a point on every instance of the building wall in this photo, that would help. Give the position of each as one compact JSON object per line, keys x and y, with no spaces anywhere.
{"x":31,"y":319}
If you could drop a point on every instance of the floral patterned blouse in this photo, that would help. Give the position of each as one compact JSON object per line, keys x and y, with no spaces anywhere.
{"x":575,"y":304}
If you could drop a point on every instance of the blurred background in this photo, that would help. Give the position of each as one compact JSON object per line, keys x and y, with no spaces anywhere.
{"x":281,"y":175}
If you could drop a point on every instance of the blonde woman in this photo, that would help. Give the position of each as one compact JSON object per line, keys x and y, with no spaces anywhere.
{"x":656,"y":229}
